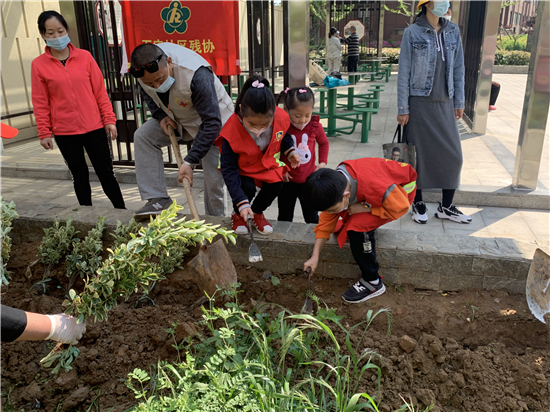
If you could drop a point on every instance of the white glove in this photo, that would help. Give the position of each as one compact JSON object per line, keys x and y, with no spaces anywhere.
{"x":65,"y":329}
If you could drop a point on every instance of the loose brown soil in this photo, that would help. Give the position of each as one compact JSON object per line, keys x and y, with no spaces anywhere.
{"x":493,"y":360}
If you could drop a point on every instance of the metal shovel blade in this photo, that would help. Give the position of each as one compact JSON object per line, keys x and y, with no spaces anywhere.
{"x":308,"y":304}
{"x":254,"y":254}
{"x":213,"y":268}
{"x":538,"y":287}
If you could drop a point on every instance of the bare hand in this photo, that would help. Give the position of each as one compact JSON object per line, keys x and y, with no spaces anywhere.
{"x":402,"y":119}
{"x":111,"y":131}
{"x":247,"y":212}
{"x":47,"y":143}
{"x":320,"y":166}
{"x":312,"y":263}
{"x":459,"y":113}
{"x":294,"y":160}
{"x":286,"y":177}
{"x":185,"y":172}
{"x":357,"y":208}
{"x":164,"y":123}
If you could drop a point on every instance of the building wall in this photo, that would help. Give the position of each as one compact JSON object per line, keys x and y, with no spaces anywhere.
{"x":515,"y":15}
{"x":21,"y":43}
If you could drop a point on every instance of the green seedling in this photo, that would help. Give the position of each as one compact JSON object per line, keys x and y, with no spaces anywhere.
{"x":55,"y":246}
{"x":275,"y":280}
{"x":85,"y":258}
{"x":8,"y":215}
{"x":130,"y":268}
{"x":399,"y":289}
{"x":258,"y":362}
{"x":60,"y":358}
{"x":123,"y":233}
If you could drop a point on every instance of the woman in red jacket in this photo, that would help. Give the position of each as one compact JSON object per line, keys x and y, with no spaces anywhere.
{"x":71,"y":104}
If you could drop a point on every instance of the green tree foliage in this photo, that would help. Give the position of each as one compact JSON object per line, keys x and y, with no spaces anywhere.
{"x":8,"y":215}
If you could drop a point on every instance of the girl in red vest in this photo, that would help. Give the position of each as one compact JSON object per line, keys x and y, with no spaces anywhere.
{"x":250,"y":143}
{"x":305,"y":130}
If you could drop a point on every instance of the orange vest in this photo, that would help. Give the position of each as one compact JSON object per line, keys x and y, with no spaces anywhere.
{"x":374,"y":176}
{"x":264,"y":167}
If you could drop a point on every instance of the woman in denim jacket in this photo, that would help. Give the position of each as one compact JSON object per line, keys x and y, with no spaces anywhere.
{"x":430,"y":99}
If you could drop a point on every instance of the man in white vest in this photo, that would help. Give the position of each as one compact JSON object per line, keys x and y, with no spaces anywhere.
{"x":181,"y":91}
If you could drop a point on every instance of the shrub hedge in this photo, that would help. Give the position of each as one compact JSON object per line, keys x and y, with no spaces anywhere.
{"x":502,"y":57}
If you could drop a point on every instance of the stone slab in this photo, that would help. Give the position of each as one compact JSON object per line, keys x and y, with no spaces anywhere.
{"x":460,"y":282}
{"x":510,"y":285}
{"x":420,"y":280}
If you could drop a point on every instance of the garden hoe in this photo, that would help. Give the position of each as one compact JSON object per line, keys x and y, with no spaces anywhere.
{"x":213,"y":265}
{"x":308,"y":304}
{"x":538,"y":287}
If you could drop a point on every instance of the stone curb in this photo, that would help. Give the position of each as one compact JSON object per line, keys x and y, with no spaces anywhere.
{"x":510,"y":69}
{"x":467,"y":195}
{"x":424,"y":261}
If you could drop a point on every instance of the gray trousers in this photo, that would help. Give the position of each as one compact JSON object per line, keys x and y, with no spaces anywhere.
{"x":149,"y":140}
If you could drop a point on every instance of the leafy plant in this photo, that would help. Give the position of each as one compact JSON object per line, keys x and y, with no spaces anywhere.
{"x":512,"y":58}
{"x":62,"y":359}
{"x":8,"y":215}
{"x":123,"y":233}
{"x":85,"y":258}
{"x":130,"y":266}
{"x":55,"y":246}
{"x":253,"y":362}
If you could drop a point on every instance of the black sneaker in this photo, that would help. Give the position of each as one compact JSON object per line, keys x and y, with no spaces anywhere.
{"x":418,"y":212}
{"x":362,"y":291}
{"x":153,"y":207}
{"x":452,"y":213}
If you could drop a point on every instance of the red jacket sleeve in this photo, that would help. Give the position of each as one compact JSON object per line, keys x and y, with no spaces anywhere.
{"x":98,"y":86}
{"x":322,"y":141}
{"x":41,"y":103}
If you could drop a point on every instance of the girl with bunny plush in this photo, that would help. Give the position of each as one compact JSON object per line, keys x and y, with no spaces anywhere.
{"x":305,"y":130}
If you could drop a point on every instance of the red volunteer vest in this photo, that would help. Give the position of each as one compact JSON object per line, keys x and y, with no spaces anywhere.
{"x":374,"y":175}
{"x":252,"y":162}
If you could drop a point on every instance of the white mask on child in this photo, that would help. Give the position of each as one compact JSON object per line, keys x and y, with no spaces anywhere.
{"x":299,"y":126}
{"x":447,"y":17}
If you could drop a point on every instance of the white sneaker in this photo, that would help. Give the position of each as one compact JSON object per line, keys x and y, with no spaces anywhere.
{"x":418,"y":212}
{"x":452,"y":213}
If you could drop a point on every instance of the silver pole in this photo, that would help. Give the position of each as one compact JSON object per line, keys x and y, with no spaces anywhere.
{"x":535,"y":105}
{"x":455,"y":11}
{"x":485,"y":75}
{"x":298,"y":44}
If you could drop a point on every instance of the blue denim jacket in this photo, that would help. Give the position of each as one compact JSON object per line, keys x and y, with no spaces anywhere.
{"x":417,"y":63}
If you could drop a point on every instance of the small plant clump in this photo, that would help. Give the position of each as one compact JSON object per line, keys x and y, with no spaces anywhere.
{"x":130,"y":266}
{"x":55,"y":246}
{"x":255,"y":362}
{"x":123,"y":233}
{"x":8,"y":215}
{"x":85,"y":257}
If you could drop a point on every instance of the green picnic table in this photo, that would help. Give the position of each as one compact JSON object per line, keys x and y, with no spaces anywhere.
{"x":332,"y":115}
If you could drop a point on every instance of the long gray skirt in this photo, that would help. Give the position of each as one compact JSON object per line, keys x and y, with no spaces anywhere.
{"x":433,"y":130}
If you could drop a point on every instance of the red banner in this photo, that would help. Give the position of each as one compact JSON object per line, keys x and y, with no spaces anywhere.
{"x":210,"y":28}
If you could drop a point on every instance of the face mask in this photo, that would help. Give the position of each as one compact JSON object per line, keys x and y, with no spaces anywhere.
{"x":299,"y":126}
{"x":257,"y":132}
{"x":58,"y":43}
{"x":447,"y":18}
{"x":440,"y":8}
{"x":165,"y":86}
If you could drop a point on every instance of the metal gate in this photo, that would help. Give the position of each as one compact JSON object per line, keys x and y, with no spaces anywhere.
{"x":100,"y":35}
{"x":472,"y":55}
{"x":366,"y":13}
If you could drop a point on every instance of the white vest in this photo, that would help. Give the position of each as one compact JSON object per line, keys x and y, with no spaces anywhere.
{"x":180,"y":107}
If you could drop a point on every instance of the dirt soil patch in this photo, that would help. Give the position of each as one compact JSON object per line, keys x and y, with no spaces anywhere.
{"x":472,"y":351}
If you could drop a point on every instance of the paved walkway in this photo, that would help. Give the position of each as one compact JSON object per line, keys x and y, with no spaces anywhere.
{"x":488,"y":167}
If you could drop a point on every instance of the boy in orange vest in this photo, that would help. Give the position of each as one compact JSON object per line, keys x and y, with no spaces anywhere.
{"x":357,"y":198}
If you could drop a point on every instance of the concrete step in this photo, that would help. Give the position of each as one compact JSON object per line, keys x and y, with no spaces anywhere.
{"x":422,"y":260}
{"x":466,"y":195}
